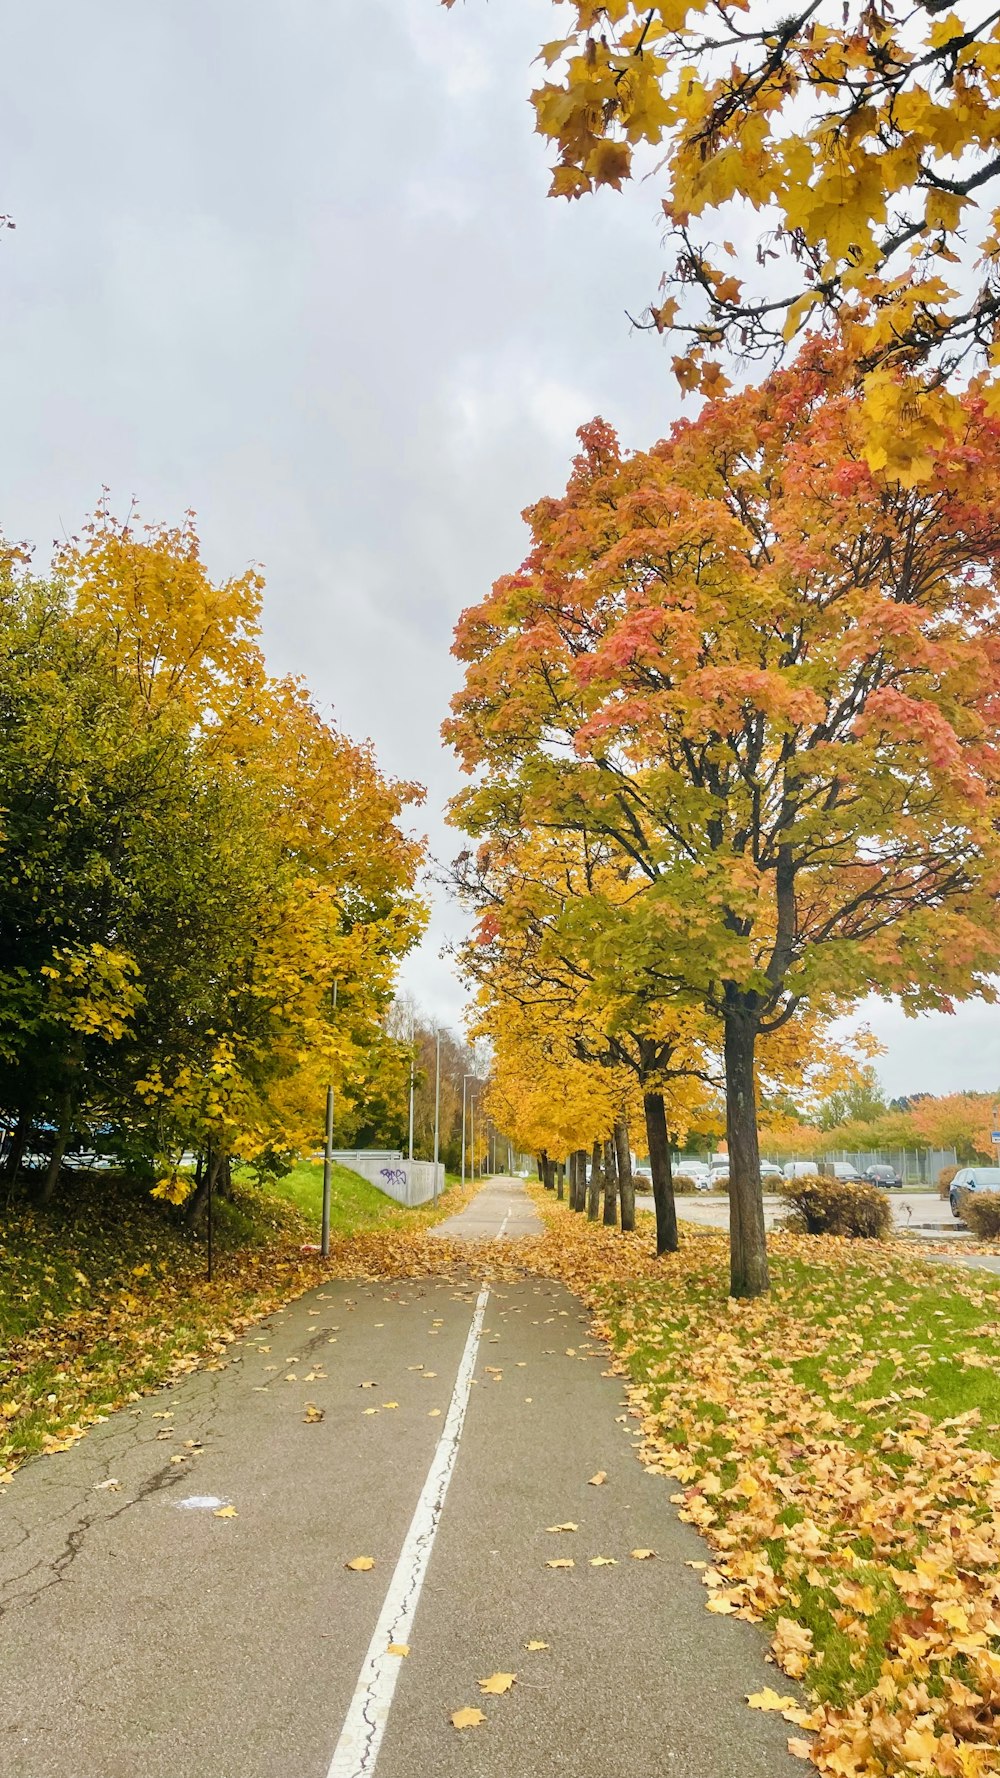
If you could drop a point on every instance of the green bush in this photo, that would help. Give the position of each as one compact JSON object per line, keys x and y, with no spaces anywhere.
{"x":981,"y":1211}
{"x":833,"y":1207}
{"x":683,"y":1183}
{"x":944,"y":1180}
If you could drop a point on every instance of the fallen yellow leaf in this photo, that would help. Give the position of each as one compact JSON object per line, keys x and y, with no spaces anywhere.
{"x":561,"y":1562}
{"x":312,"y":1413}
{"x":361,"y":1564}
{"x":398,"y":1648}
{"x":497,"y":1684}
{"x":603,"y":1562}
{"x":466,"y":1718}
{"x":598,"y":1480}
{"x":801,"y":1749}
{"x":642,"y":1555}
{"x":535,"y":1644}
{"x":224,"y":1512}
{"x":569,"y":1526}
{"x":768,"y":1699}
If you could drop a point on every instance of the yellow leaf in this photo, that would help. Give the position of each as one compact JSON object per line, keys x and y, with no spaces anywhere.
{"x":224,"y":1512}
{"x":466,"y":1718}
{"x":598,"y":1480}
{"x":561,"y":1562}
{"x":603,"y":1562}
{"x":642,"y":1555}
{"x":568,"y":1526}
{"x":497,"y":1684}
{"x":768,"y":1699}
{"x":360,"y":1564}
{"x":312,"y":1413}
{"x":801,"y":1749}
{"x":398,"y":1648}
{"x":535,"y":1644}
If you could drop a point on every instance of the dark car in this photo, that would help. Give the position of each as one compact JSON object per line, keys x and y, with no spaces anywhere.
{"x":972,"y":1179}
{"x":886,"y":1176}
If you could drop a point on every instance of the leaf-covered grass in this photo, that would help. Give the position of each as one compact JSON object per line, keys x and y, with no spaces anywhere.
{"x":839,"y":1445}
{"x":105,"y":1294}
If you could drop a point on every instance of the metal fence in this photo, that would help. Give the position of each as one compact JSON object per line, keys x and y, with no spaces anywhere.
{"x":915,"y":1166}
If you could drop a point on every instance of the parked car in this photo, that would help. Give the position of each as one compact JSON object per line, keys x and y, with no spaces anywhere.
{"x":972,"y":1179}
{"x":845,"y":1171}
{"x":885,"y":1176}
{"x":801,"y":1170}
{"x":768,"y":1170}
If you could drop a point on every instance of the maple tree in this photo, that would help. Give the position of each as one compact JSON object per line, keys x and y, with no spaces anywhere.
{"x":763,"y":673}
{"x":200,"y":858}
{"x":860,"y":139}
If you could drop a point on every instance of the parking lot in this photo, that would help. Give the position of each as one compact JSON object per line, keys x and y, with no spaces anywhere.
{"x":922,"y":1210}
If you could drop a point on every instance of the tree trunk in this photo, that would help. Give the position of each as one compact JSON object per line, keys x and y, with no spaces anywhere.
{"x":548,"y":1173}
{"x":658,"y":1141}
{"x":747,"y":1238}
{"x":63,"y":1129}
{"x":610,"y":1185}
{"x":18,"y":1142}
{"x":626,"y":1184}
{"x":541,"y":1172}
{"x":199,"y":1197}
{"x":578,"y":1180}
{"x":561,"y":1181}
{"x":594,"y":1188}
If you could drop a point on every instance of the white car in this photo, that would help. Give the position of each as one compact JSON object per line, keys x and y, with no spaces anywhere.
{"x":801,"y":1170}
{"x":768,"y":1170}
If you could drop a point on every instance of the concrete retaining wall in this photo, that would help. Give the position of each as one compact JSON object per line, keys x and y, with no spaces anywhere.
{"x":409,"y":1182}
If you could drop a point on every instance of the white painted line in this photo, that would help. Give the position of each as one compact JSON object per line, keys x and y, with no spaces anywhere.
{"x":503,"y":1225}
{"x":364,"y":1725}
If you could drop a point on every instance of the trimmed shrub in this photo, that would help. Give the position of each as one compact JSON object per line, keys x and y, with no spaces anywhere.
{"x":944,"y":1180}
{"x":683,"y":1183}
{"x":981,"y":1211}
{"x":833,"y":1207}
{"x":721,"y":1185}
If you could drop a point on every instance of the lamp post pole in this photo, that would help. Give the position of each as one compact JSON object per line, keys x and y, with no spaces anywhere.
{"x":437,"y":1113}
{"x":469,"y":1075}
{"x":472,"y":1144}
{"x":324,"y":1239}
{"x":412,"y":1071}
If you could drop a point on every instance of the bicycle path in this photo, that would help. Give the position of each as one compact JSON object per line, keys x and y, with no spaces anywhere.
{"x":144,"y":1630}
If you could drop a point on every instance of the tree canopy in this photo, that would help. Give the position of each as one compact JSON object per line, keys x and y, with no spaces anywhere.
{"x":763,"y":674}
{"x":858,"y":140}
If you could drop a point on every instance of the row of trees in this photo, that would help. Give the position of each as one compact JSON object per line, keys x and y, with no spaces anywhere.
{"x":732,"y":730}
{"x":859,"y":1121}
{"x":206,"y":886}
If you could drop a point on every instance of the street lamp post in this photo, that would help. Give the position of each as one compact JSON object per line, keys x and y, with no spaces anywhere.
{"x":470,"y":1075}
{"x":412,"y":1072}
{"x":324,"y":1239}
{"x":437,"y":1113}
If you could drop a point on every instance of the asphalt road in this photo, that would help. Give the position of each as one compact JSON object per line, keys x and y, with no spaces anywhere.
{"x":141,"y":1633}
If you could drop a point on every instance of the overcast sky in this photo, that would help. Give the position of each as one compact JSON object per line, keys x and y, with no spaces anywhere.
{"x":290,"y":262}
